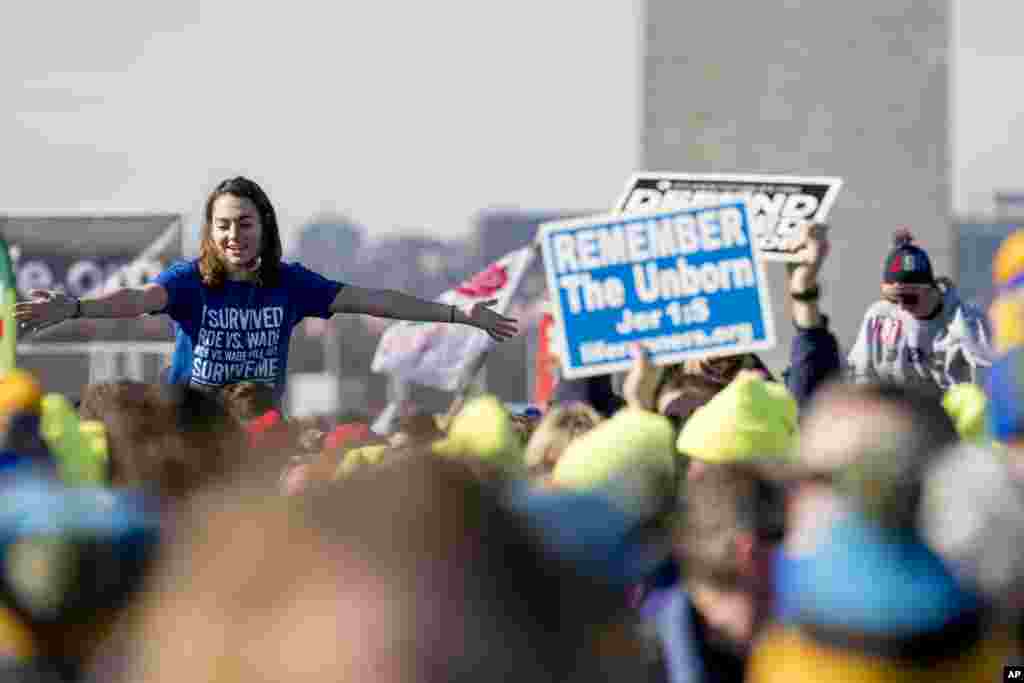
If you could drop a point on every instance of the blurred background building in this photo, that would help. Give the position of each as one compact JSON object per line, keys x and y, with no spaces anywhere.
{"x":854,"y":89}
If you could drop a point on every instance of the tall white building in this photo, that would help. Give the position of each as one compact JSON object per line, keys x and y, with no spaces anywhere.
{"x":831,"y":87}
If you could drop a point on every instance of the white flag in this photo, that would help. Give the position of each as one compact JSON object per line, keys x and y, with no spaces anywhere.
{"x":439,"y":354}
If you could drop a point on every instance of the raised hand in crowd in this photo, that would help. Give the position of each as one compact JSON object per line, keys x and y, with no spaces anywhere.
{"x":640,"y":388}
{"x":811,"y":247}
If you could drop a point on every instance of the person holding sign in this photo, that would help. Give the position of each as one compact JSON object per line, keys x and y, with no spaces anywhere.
{"x":920,"y":332}
{"x":236,"y":305}
{"x":814,"y":356}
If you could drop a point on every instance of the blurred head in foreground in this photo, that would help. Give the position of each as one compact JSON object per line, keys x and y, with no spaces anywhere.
{"x":872,"y":443}
{"x":405,"y":573}
{"x":731,"y":524}
{"x":171,"y":441}
{"x":70,"y":560}
{"x":863,"y":593}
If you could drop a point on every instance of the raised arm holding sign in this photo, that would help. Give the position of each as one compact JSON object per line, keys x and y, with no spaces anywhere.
{"x":814,"y":355}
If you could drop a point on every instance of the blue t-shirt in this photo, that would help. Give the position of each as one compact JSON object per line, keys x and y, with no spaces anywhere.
{"x":241,"y":331}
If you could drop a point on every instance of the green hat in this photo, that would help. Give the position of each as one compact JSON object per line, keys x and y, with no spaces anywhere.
{"x":630,"y":458}
{"x":751,"y":418}
{"x":484,"y":429}
{"x":967,"y":404}
{"x":357,"y":458}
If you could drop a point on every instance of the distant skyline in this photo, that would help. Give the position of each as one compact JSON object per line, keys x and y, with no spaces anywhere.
{"x":401,"y":115}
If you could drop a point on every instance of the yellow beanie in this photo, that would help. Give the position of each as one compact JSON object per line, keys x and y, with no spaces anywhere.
{"x":17,"y":642}
{"x":786,"y":655}
{"x":967,"y":404}
{"x":629,"y":457}
{"x":749,"y":419}
{"x":357,"y":458}
{"x":20,"y":391}
{"x":484,"y":429}
{"x":1007,"y":316}
{"x":1009,"y":260}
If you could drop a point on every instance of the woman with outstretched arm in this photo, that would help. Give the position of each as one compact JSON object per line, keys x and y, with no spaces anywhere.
{"x":236,"y":305}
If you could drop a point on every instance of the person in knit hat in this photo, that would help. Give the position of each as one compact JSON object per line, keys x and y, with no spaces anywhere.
{"x":920,"y":331}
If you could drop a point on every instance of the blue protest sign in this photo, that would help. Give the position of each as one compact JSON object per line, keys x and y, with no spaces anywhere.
{"x":685,"y":283}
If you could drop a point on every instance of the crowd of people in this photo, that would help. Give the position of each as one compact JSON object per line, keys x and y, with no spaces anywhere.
{"x":845,"y":519}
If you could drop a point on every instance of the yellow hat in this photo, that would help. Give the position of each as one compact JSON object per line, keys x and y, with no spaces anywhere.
{"x":751,"y":418}
{"x":629,"y":457}
{"x":1007,"y":316}
{"x":484,"y":429}
{"x":786,"y":655}
{"x":1009,"y":260}
{"x":20,"y":391}
{"x":357,"y":458}
{"x":17,"y":642}
{"x":967,"y":404}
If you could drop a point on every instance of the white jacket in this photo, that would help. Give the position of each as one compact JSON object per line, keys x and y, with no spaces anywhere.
{"x":950,"y":348}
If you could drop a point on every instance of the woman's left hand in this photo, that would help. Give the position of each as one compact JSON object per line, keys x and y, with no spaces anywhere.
{"x":498,"y":326}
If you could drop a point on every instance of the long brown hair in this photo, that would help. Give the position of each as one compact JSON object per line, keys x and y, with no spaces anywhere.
{"x":211,"y":267}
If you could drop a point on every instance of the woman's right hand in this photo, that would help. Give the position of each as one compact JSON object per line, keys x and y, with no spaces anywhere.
{"x":45,"y":308}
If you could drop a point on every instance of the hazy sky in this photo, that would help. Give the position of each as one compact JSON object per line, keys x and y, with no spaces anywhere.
{"x":987,"y":101}
{"x":402,"y":114}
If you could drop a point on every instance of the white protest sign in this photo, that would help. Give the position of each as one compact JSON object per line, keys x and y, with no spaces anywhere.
{"x":438,"y":354}
{"x":779,"y":204}
{"x":684,"y":283}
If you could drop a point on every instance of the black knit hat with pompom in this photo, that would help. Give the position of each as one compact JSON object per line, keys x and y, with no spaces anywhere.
{"x":907,"y":263}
